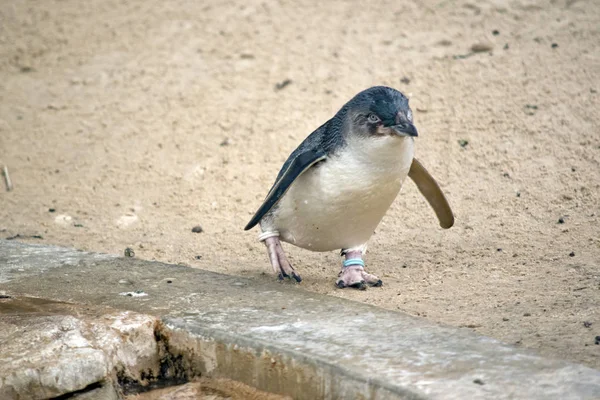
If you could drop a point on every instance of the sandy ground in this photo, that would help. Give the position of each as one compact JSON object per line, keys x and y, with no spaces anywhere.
{"x":127,"y":123}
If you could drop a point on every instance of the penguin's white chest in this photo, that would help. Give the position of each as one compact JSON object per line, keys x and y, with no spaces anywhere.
{"x":339,"y":202}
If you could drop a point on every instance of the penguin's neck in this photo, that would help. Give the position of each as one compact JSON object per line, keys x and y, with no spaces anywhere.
{"x":385,"y":157}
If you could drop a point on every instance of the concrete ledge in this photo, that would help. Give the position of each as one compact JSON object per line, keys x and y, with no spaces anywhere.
{"x":284,"y":340}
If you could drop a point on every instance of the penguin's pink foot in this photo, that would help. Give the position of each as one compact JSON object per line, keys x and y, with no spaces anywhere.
{"x":353,"y":273}
{"x":281,"y":265}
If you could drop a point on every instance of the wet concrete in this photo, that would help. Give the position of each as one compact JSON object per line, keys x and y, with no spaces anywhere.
{"x":208,"y":389}
{"x":283,"y":340}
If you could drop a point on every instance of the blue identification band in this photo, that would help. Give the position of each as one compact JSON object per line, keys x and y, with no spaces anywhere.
{"x":354,"y":261}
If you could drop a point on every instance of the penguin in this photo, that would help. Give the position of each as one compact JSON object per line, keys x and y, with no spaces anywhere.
{"x":334,"y":189}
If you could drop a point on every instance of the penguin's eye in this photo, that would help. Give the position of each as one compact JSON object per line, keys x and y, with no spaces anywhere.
{"x":373,"y":118}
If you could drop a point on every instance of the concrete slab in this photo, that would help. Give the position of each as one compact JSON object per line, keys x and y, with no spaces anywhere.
{"x":284,"y":340}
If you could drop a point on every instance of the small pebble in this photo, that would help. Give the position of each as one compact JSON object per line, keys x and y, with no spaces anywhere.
{"x":281,"y":85}
{"x":225,"y":142}
{"x":51,"y":209}
{"x":137,"y":293}
{"x":506,"y":175}
{"x":561,"y":220}
{"x":587,"y":324}
{"x":597,"y":340}
{"x":463,"y":143}
{"x":518,"y":194}
{"x":478,"y":381}
{"x":499,"y":249}
{"x":63,"y":219}
{"x":126,"y":220}
{"x":495,"y":32}
{"x":405,"y":80}
{"x":197,"y":229}
{"x":129,"y":252}
{"x":462,"y":56}
{"x":506,"y":46}
{"x":505,"y":319}
{"x":554,"y":45}
{"x":198,"y":257}
{"x":572,"y":254}
{"x":481,"y":47}
{"x":527,"y":314}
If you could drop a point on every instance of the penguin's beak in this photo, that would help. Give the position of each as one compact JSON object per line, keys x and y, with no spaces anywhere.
{"x":405,"y":128}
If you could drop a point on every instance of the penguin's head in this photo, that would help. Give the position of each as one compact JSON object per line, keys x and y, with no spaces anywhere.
{"x":380,"y":111}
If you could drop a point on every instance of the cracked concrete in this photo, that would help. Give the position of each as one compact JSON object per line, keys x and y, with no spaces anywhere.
{"x":284,"y":340}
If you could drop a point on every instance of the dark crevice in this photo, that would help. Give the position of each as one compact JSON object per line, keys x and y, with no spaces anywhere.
{"x":88,"y":388}
{"x":172,"y":370}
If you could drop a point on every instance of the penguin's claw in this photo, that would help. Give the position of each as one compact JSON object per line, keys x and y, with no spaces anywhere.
{"x":372,"y":280}
{"x":294,"y":276}
{"x":287,"y":271}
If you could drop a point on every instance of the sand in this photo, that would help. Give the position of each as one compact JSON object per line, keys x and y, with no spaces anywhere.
{"x":127,"y":123}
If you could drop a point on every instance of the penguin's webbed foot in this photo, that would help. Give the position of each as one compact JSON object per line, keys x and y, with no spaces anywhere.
{"x":281,"y":265}
{"x":353,"y":273}
{"x":355,"y":277}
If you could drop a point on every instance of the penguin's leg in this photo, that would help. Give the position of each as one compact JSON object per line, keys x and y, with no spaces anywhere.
{"x":353,"y":270}
{"x":280,"y":263}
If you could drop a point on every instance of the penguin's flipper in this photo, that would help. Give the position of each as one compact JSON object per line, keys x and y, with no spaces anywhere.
{"x":297,"y":167}
{"x":432,"y":192}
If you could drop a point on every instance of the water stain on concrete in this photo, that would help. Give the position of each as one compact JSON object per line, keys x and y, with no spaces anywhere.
{"x":208,"y":389}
